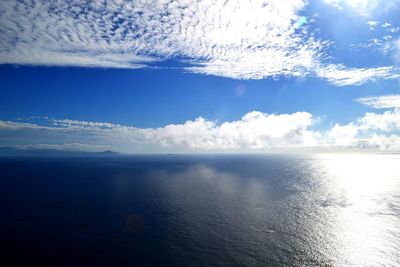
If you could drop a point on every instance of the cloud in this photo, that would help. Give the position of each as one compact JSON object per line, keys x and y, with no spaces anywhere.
{"x":396,"y":55}
{"x":372,"y":131}
{"x":389,"y":121}
{"x":365,"y":8}
{"x":361,"y":7}
{"x":124,"y":34}
{"x":236,"y":39}
{"x":372,"y":24}
{"x":339,"y":75}
{"x":385,"y":101}
{"x":255,"y":131}
{"x":83,"y":124}
{"x":10,"y":125}
{"x":65,"y":146}
{"x":385,"y":41}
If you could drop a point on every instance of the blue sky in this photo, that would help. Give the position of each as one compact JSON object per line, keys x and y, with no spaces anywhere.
{"x":176,"y":76}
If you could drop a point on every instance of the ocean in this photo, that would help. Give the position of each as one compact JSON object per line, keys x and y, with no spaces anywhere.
{"x":201,"y":210}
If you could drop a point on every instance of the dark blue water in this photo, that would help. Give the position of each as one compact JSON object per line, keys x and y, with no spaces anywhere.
{"x":303,"y":210}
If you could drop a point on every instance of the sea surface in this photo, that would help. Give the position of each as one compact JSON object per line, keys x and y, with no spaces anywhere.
{"x":201,"y":210}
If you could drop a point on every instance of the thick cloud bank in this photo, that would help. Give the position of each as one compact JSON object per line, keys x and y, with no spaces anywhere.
{"x":255,"y":131}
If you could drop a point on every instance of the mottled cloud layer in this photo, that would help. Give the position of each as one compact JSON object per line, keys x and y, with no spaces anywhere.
{"x":237,"y":39}
{"x":255,"y":131}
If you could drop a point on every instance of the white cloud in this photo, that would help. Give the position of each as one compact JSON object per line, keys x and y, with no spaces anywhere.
{"x":342,"y":135}
{"x":361,"y":7}
{"x":10,"y":125}
{"x":342,"y":76}
{"x":385,"y":101}
{"x":255,"y":131}
{"x":389,"y":121}
{"x":372,"y":131}
{"x":365,"y":8}
{"x":83,"y":124}
{"x":237,"y":39}
{"x":65,"y":146}
{"x":387,"y":43}
{"x":372,"y":24}
{"x":256,"y":39}
{"x":396,"y":54}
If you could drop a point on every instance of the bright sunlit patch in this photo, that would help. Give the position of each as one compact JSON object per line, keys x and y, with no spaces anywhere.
{"x":360,"y":181}
{"x":361,"y":175}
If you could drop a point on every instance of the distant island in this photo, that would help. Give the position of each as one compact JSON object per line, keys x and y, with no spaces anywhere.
{"x":32,"y":151}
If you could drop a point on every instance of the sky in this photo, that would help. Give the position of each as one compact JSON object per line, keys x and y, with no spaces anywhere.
{"x":200,"y":76}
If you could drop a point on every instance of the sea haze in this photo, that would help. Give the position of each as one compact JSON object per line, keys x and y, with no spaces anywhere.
{"x":201,"y":210}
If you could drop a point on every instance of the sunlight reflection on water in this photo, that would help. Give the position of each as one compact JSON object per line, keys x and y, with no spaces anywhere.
{"x":367,"y":226}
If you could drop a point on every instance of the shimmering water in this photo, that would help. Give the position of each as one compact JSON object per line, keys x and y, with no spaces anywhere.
{"x":303,"y":210}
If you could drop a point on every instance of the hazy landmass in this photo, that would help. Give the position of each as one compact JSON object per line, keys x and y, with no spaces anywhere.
{"x":16,"y":152}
